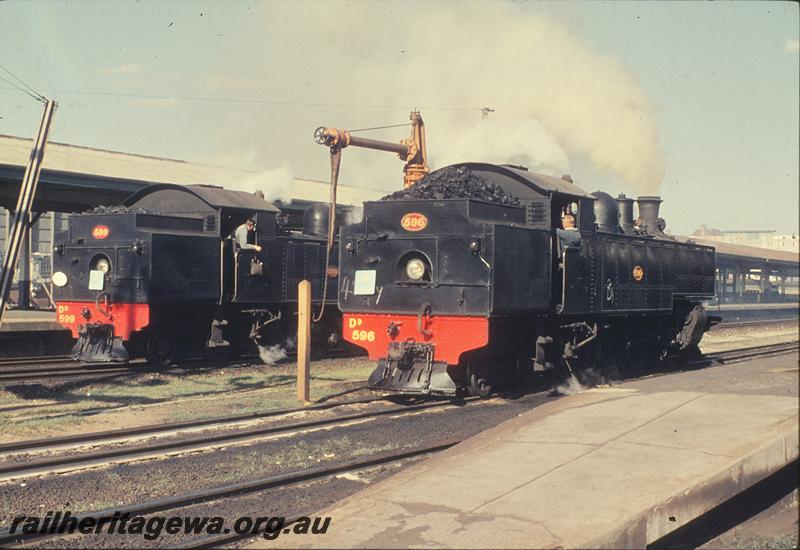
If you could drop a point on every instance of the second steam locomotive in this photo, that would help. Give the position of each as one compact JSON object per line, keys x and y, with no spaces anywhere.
{"x":161,"y":277}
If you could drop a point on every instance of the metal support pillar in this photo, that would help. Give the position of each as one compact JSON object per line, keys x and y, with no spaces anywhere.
{"x":742,"y":282}
{"x":24,"y":263}
{"x":22,"y":211}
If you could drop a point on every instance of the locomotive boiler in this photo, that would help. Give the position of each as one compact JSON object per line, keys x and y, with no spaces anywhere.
{"x":451,"y":292}
{"x":160,"y":276}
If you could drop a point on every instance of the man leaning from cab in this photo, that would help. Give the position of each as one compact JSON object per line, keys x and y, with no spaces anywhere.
{"x":569,"y":236}
{"x":245,"y":236}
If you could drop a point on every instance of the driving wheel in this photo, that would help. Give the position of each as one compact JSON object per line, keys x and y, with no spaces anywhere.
{"x":480,"y":374}
{"x":160,"y":349}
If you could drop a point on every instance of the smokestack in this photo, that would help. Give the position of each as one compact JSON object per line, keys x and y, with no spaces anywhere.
{"x":606,"y":212}
{"x":625,"y":205}
{"x":648,"y":212}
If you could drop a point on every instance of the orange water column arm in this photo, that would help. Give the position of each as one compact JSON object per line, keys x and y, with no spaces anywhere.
{"x":411,"y":150}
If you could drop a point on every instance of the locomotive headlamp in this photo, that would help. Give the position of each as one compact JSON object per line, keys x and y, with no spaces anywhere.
{"x":415,"y":269}
{"x":60,"y":278}
{"x":103,"y":265}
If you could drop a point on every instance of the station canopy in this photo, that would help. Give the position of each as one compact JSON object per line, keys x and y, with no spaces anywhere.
{"x":75,"y":178}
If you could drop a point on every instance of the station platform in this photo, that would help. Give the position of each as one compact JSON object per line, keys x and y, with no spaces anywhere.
{"x":25,"y":333}
{"x":16,"y":320}
{"x":784,"y":306}
{"x":753,"y":312}
{"x":616,"y":467}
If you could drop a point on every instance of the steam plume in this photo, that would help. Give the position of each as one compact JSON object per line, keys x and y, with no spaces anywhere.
{"x":276,"y":183}
{"x":555,"y":95}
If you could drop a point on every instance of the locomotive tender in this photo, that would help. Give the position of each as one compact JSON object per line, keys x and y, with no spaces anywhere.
{"x":463,"y":293}
{"x":161,"y":276}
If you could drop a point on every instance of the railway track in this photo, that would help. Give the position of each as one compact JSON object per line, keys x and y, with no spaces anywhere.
{"x":754,"y":323}
{"x":203,"y":441}
{"x":34,"y":369}
{"x":743,"y":354}
{"x":159,"y":449}
{"x":235,"y":489}
{"x":34,"y":372}
{"x":39,"y":360}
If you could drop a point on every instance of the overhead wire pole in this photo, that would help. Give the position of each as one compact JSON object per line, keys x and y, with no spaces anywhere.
{"x":22,"y":212}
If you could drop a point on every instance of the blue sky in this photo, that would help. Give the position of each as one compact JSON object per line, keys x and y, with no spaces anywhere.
{"x":695,"y":101}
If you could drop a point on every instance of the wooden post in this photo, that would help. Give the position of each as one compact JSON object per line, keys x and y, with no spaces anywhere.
{"x":303,"y":341}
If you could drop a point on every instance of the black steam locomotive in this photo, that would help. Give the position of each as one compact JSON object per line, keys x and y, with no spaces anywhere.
{"x":161,"y":277}
{"x":452,"y":293}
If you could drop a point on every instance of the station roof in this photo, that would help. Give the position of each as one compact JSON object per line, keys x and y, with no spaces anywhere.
{"x":75,"y":178}
{"x":749,"y":254}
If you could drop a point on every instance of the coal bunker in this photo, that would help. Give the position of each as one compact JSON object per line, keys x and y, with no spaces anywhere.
{"x":454,"y":182}
{"x":119,"y":209}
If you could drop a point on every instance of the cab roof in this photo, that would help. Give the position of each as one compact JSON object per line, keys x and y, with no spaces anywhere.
{"x":170,"y":198}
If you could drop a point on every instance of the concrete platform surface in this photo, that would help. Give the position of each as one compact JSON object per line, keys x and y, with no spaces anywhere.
{"x":741,"y":307}
{"x":29,"y":321}
{"x":613,"y":467}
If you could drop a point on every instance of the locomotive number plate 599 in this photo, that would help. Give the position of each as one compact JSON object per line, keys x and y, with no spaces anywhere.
{"x":414,"y":221}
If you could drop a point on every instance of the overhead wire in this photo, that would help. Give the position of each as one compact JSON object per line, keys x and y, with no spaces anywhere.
{"x":18,"y":79}
{"x":258,"y":101}
{"x":19,"y":88}
{"x":28,"y":89}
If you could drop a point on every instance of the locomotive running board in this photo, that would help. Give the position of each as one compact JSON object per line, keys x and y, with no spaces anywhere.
{"x":419,"y":378}
{"x":97,"y":344}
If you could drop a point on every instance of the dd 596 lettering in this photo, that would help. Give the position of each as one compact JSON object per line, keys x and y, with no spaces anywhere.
{"x":359,"y":335}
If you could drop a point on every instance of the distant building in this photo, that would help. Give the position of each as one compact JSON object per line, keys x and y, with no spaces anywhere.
{"x":759,"y":238}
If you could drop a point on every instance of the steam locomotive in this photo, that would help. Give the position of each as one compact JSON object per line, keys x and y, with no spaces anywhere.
{"x":461,"y":293}
{"x":160,"y":276}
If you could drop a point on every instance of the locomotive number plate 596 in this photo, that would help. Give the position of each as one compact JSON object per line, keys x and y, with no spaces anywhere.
{"x":414,"y":221}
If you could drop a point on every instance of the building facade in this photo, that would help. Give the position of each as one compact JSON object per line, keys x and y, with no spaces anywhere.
{"x":761,"y":238}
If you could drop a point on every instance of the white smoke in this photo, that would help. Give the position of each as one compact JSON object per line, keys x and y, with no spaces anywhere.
{"x":271,"y":354}
{"x":276,"y":184}
{"x":570,"y":386}
{"x":555,"y":95}
{"x":353,"y":215}
{"x":501,"y":140}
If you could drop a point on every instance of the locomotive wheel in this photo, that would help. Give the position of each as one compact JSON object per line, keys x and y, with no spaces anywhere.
{"x":160,"y":349}
{"x":523,"y":370}
{"x":275,"y":334}
{"x":216,"y":354}
{"x":480,"y":374}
